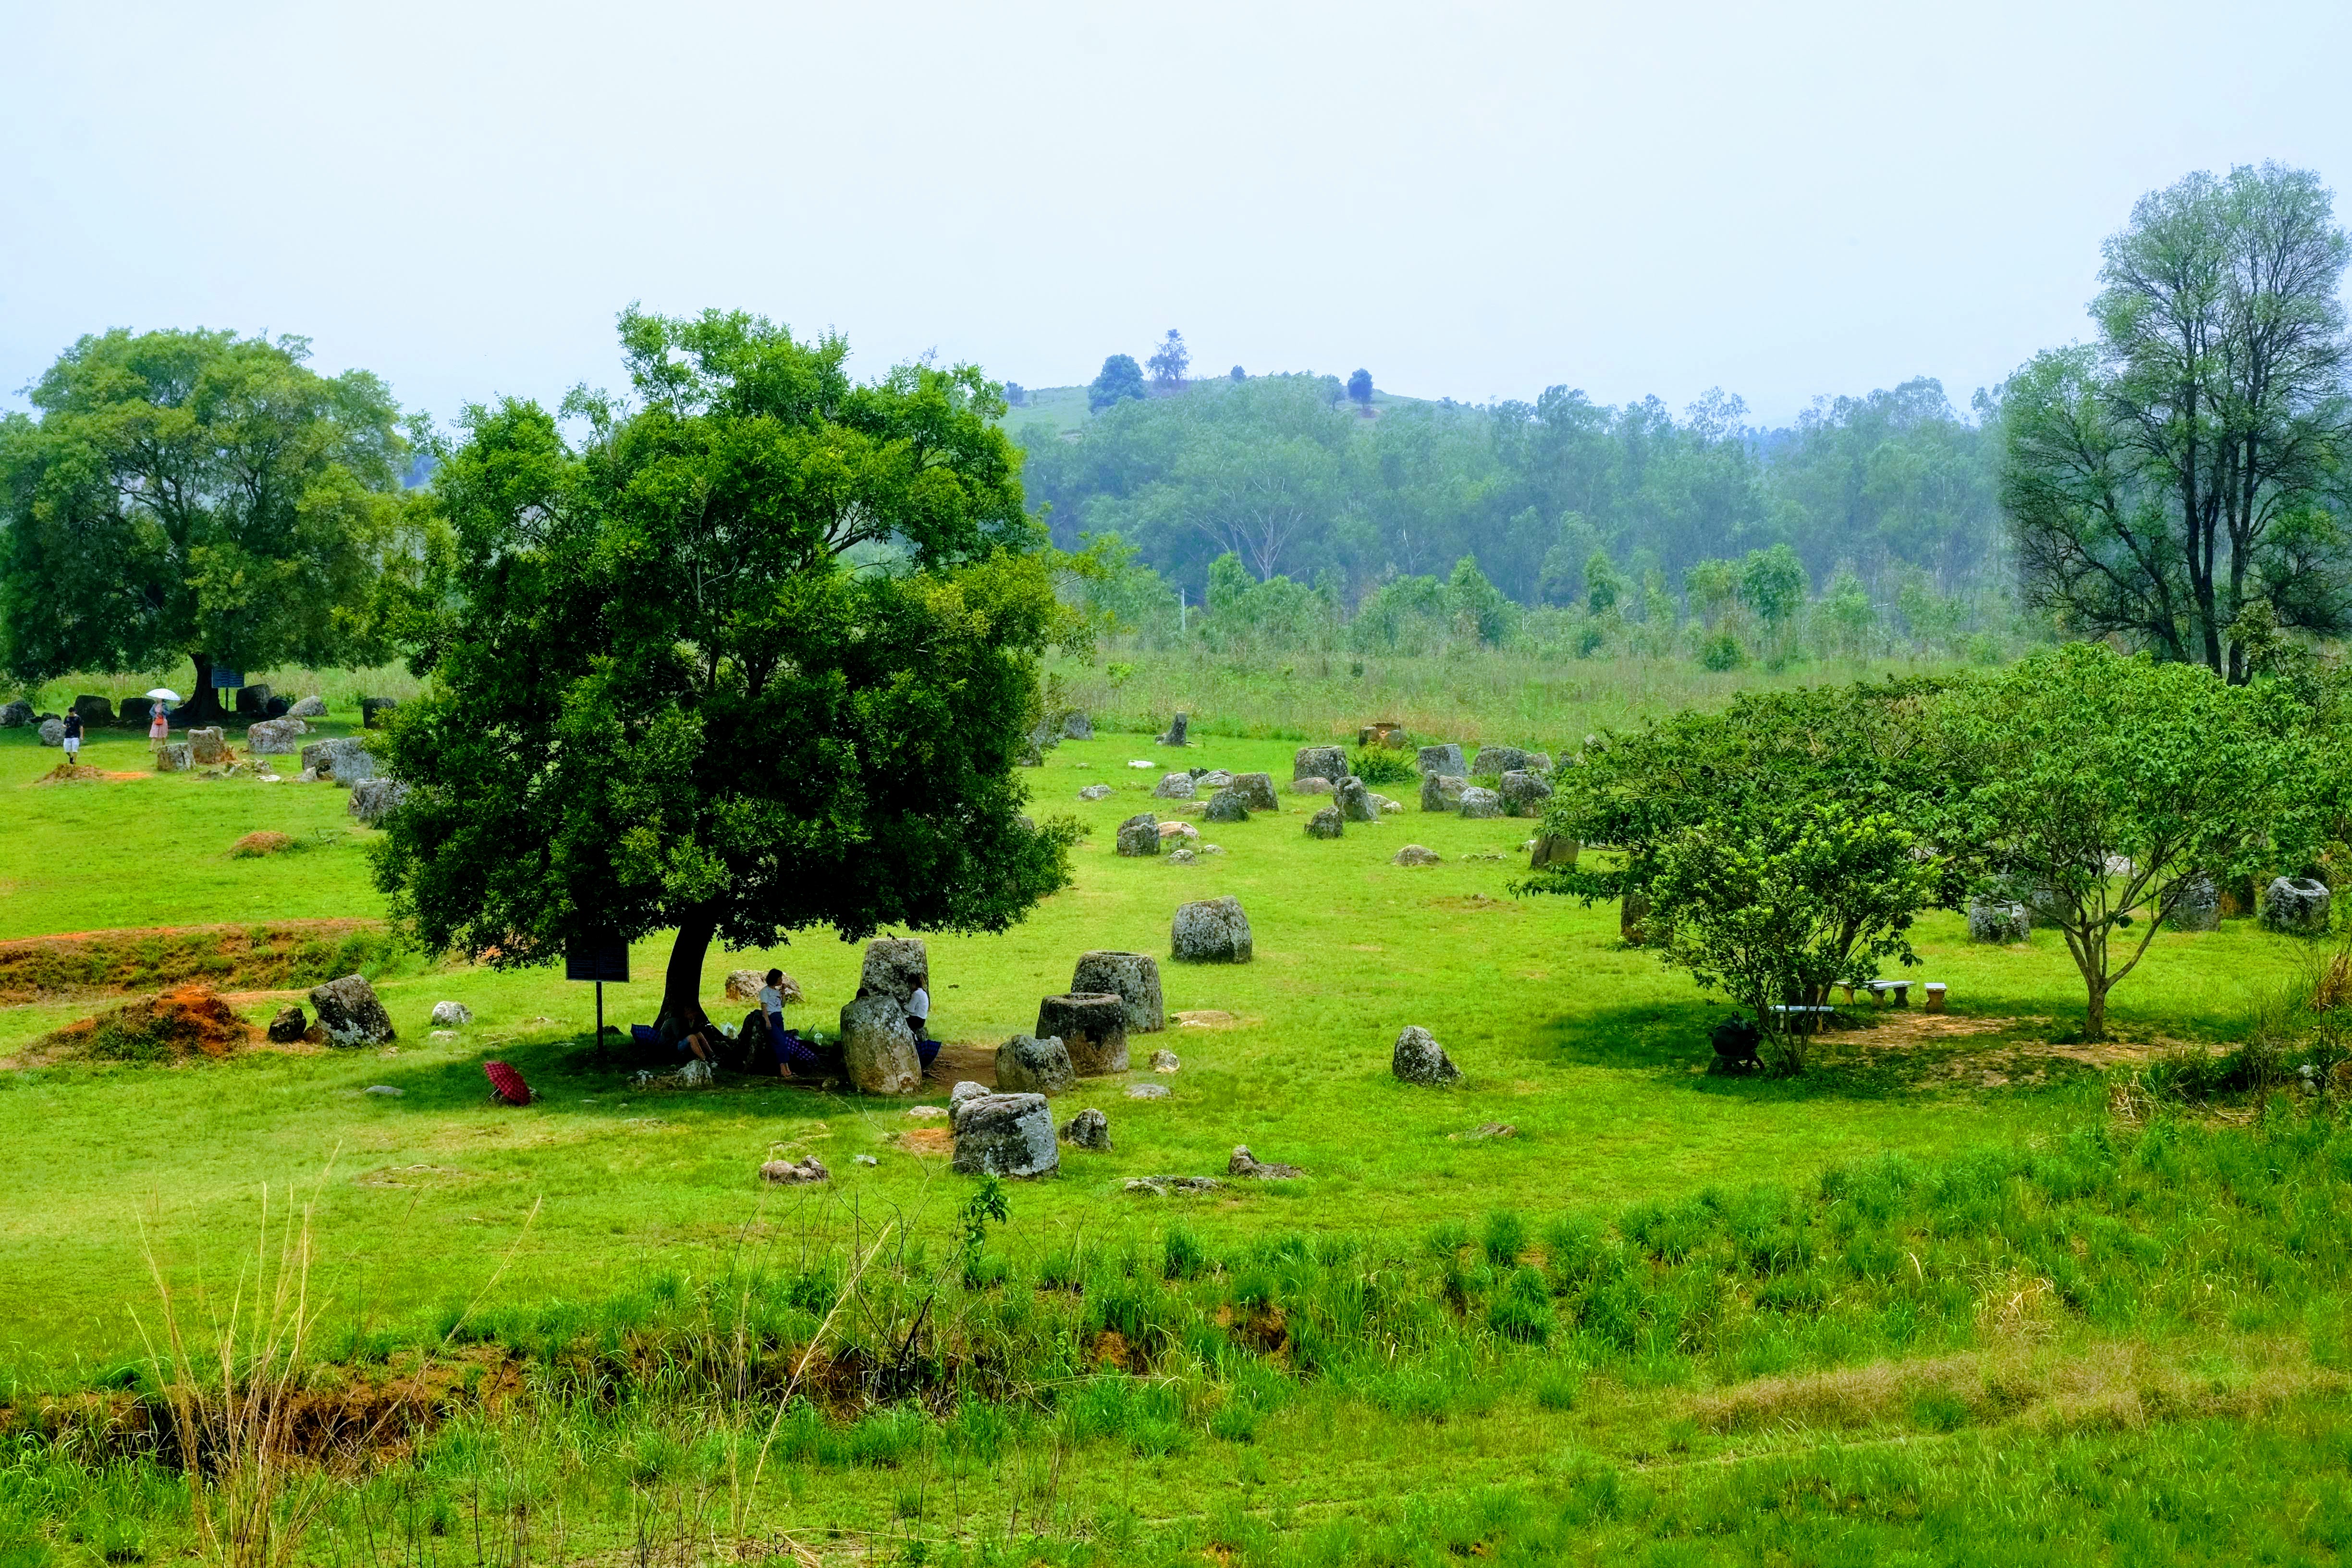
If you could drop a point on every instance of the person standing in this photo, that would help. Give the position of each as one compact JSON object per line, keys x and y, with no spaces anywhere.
{"x":918,"y":1017}
{"x":73,"y":736}
{"x":159,"y":728}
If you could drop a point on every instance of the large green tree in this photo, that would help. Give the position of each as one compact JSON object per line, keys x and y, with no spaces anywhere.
{"x":2105,"y":789}
{"x":754,"y":653}
{"x":201,"y":495}
{"x":2188,"y":466}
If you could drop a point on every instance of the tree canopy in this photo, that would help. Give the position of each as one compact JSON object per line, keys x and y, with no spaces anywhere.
{"x":200,"y":494}
{"x":1119,"y":379}
{"x":754,"y":652}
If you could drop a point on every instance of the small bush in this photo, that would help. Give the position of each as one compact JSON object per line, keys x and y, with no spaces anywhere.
{"x":1722,"y":652}
{"x":1181,"y":1255}
{"x":1506,"y":1237}
{"x":1383,"y":765}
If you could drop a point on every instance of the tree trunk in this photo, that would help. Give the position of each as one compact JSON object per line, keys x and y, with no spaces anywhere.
{"x":2094,"y":1015}
{"x":681,"y":1008}
{"x":203,"y":705}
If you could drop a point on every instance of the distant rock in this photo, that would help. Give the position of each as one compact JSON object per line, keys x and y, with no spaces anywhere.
{"x":1419,"y":1058}
{"x":1025,"y":1063}
{"x":387,"y":1090}
{"x":877,"y":1051}
{"x":1090,"y":1129}
{"x":1355,"y":800}
{"x":896,"y":968}
{"x":1414,"y":855}
{"x":174,"y":757}
{"x":308,"y":707}
{"x":373,"y":708}
{"x":1501,"y":759}
{"x":451,"y":1015}
{"x":1139,"y":835}
{"x":1445,"y":761}
{"x":1552,"y":852}
{"x":287,"y":1026}
{"x":2295,"y":906}
{"x":808,"y":1168}
{"x":1225,"y":805}
{"x":1076,"y":726}
{"x":1162,"y":1186}
{"x":2196,"y":905}
{"x":15,"y":715}
{"x":209,"y":746}
{"x":1442,"y":792}
{"x":375,"y":799}
{"x":1329,"y":763}
{"x":1147,"y":1091}
{"x":1005,"y":1135}
{"x":1175,"y":786}
{"x":350,"y":1012}
{"x":1133,"y":978}
{"x":1182,"y":855}
{"x":1524,"y":793}
{"x":1165,"y":1060}
{"x":1095,"y":791}
{"x":53,"y":733}
{"x":1092,"y":1028}
{"x":1245,"y":1163}
{"x":275,"y":737}
{"x":1175,"y":735}
{"x":1480,"y":802}
{"x":1999,"y":921}
{"x":1327,"y":823}
{"x":1254,"y":791}
{"x":1211,"y":931}
{"x":1311,"y":786}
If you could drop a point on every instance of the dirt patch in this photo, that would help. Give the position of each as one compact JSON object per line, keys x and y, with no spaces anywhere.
{"x":186,"y":1022}
{"x":280,"y":955}
{"x":409,"y":1175}
{"x":1211,"y":1018}
{"x":1980,"y":1051}
{"x":1473,"y":903}
{"x":82,"y":773}
{"x":253,"y":845}
{"x":927,"y":1141}
{"x":961,"y":1061}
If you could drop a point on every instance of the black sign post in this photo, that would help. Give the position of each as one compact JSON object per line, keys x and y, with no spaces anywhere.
{"x":597,"y":958}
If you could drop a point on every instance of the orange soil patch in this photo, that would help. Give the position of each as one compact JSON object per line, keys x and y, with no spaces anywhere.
{"x":959,"y":1060}
{"x":265,"y":842}
{"x":928,"y":1140}
{"x":187,"y":1021}
{"x":82,"y":772}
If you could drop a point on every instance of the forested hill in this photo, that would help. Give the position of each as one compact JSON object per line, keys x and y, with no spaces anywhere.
{"x":1287,"y":473}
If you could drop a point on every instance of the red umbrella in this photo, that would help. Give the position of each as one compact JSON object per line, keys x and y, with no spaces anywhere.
{"x":506,"y":1083}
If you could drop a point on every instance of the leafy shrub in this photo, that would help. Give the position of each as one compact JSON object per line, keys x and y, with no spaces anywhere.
{"x":1722,"y":652}
{"x":1383,"y":765}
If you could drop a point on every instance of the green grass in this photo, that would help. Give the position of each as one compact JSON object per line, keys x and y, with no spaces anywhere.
{"x":1503,"y":1414}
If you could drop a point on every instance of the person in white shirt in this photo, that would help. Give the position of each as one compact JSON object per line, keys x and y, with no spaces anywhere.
{"x":918,"y":1016}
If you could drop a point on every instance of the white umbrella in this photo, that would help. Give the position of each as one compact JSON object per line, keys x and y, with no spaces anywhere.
{"x":164,"y":694}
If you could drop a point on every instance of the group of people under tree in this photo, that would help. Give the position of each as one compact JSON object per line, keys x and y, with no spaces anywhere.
{"x":794,"y":1057}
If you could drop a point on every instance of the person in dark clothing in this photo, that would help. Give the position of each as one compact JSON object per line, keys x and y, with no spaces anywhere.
{"x":73,"y":736}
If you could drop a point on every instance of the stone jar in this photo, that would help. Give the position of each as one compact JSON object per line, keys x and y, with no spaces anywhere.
{"x":1132,"y":977}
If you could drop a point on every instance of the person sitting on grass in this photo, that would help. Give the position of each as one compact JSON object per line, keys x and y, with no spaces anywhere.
{"x":698,"y":1043}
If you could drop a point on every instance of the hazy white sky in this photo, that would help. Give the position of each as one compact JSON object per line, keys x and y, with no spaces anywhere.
{"x":1475,"y":201}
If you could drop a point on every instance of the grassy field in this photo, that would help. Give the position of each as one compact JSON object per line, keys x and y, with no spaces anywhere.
{"x":2073,"y":1318}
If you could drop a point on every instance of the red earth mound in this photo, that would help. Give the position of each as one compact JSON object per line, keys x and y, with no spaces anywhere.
{"x":184,"y":1022}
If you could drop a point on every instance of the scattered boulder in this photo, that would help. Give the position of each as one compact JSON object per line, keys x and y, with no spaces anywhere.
{"x":1225,"y":805}
{"x":1633,"y":919}
{"x":287,"y":1026}
{"x":1005,"y":1135}
{"x":254,"y":699}
{"x":1414,"y":855}
{"x":795,"y":1172}
{"x":173,"y":757}
{"x":1210,"y":778}
{"x":93,"y":710}
{"x":1485,"y":1129}
{"x":387,"y":1090}
{"x":1092,"y":1028}
{"x":1501,"y":759}
{"x":1090,"y":1129}
{"x":1325,"y":824}
{"x":1254,"y":791}
{"x":1446,"y":760}
{"x":1166,"y":1060}
{"x":1553,"y":850}
{"x":373,"y":708}
{"x":932,"y":1113}
{"x":1211,"y":931}
{"x":1076,"y":726}
{"x":1442,"y":792}
{"x":1480,"y":802}
{"x":1147,"y":1091}
{"x":311,"y":707}
{"x":1139,"y":835}
{"x":1311,"y":787}
{"x":2295,"y":906}
{"x":1735,"y":1041}
{"x":209,"y":745}
{"x":1524,"y":793}
{"x":1245,"y":1163}
{"x":275,"y":737}
{"x":1182,"y":855}
{"x":965,"y":1088}
{"x":451,"y":1015}
{"x":878,"y":1052}
{"x":2196,"y":905}
{"x":1419,"y":1058}
{"x":2001,"y":920}
{"x":1095,"y":791}
{"x":351,"y":1014}
{"x":15,"y":715}
{"x":1319,"y":762}
{"x":1132,"y":977}
{"x":345,"y":759}
{"x":1161,"y":1187}
{"x":1026,"y":1063}
{"x":1169,"y":830}
{"x":1175,"y":735}
{"x":53,"y":732}
{"x":375,"y":799}
{"x":137,"y":710}
{"x":1355,"y":800}
{"x":1174,"y":786}
{"x":1386,"y":805}
{"x":896,"y":968}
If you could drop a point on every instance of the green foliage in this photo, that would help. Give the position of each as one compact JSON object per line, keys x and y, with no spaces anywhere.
{"x":1120,"y":381}
{"x":1775,"y":907}
{"x":666,"y":701}
{"x":1383,"y":766}
{"x":204,"y":494}
{"x":1359,"y":388}
{"x":2104,"y":789}
{"x":1169,"y":361}
{"x":1721,"y":651}
{"x":1772,"y":584}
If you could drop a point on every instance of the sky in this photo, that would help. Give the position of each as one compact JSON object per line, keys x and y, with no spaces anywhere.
{"x":1475,"y":201}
